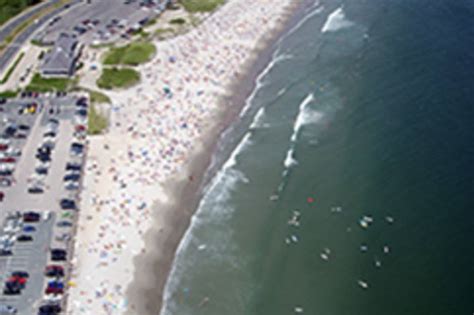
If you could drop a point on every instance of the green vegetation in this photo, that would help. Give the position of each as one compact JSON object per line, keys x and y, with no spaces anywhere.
{"x":8,"y":94}
{"x":132,"y":54}
{"x":179,"y":21}
{"x":38,"y":43}
{"x":97,"y":122}
{"x":4,"y":4}
{"x":97,"y":97}
{"x":163,"y":31}
{"x":118,"y":78}
{"x":40,"y":84}
{"x":12,"y":68}
{"x":9,"y":9}
{"x":201,"y":5}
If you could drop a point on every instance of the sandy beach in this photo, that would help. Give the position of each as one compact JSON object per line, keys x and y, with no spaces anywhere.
{"x":142,"y":176}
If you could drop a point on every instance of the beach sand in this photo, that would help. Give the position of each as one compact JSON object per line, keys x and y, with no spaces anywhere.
{"x":143,"y":178}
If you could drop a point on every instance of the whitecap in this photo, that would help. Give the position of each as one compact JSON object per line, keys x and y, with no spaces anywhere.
{"x":290,"y":159}
{"x":336,"y":21}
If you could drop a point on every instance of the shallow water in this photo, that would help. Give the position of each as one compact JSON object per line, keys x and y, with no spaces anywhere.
{"x":367,"y":111}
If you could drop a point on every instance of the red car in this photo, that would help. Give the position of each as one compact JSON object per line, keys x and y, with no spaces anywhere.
{"x":3,"y":147}
{"x":21,"y":281}
{"x":8,"y":160}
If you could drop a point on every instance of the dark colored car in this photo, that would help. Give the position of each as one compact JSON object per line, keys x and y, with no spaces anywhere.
{"x":81,"y":112}
{"x":54,"y":271}
{"x":35,"y":190}
{"x":67,"y":204}
{"x":73,"y":167}
{"x":21,"y":274}
{"x":72,"y":177}
{"x":77,"y":147}
{"x":6,"y":172}
{"x":31,"y":216}
{"x":64,"y":223}
{"x":12,"y":288}
{"x":2,"y":195}
{"x":49,"y":309}
{"x":24,"y":238}
{"x":41,"y":170}
{"x":58,"y":254}
{"x":29,"y":229}
{"x":50,"y":134}
{"x":24,"y":127}
{"x":6,"y":251}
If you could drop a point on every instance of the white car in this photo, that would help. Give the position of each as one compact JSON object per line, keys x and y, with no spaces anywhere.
{"x":7,"y":309}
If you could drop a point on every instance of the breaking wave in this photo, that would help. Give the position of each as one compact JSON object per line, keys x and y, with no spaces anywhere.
{"x":336,"y":21}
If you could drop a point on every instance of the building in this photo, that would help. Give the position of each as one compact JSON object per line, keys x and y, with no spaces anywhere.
{"x":61,"y":60}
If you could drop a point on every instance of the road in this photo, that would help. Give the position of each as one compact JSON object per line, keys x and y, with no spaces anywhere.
{"x":10,"y":25}
{"x":10,"y":51}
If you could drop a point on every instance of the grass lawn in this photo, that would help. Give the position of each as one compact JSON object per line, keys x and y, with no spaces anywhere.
{"x":132,"y":54}
{"x":12,"y":68}
{"x":97,"y":122}
{"x":118,"y":78}
{"x":9,"y":9}
{"x":40,"y":84}
{"x":97,"y":97}
{"x":8,"y":94}
{"x":201,"y":5}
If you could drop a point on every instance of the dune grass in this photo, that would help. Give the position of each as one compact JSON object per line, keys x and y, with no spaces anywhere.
{"x":118,"y":78}
{"x":40,"y":84}
{"x":132,"y":54}
{"x":97,"y":122}
{"x":201,"y":5}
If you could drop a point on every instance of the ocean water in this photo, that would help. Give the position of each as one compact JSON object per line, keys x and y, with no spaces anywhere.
{"x":364,"y":125}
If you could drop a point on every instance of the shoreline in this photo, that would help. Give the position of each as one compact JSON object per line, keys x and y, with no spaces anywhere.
{"x":129,"y":226}
{"x":149,"y":293}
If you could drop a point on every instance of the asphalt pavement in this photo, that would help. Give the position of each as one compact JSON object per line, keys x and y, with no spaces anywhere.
{"x":10,"y":51}
{"x":34,"y":257}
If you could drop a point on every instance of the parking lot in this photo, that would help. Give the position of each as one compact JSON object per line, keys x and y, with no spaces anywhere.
{"x":101,"y":21}
{"x":45,"y":181}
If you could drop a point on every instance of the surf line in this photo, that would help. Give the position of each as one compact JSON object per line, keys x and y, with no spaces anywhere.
{"x":305,"y":116}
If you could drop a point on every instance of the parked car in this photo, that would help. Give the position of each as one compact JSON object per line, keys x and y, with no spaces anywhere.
{"x":35,"y":190}
{"x":12,"y":288}
{"x":7,"y":309}
{"x":58,"y":254}
{"x":31,"y":216}
{"x":55,"y":287}
{"x":54,"y":271}
{"x":24,"y":238}
{"x":21,"y":274}
{"x":72,"y":177}
{"x":67,"y":204}
{"x":49,"y":309}
{"x":64,"y":223}
{"x":73,"y":166}
{"x":29,"y":229}
{"x":2,"y":196}
{"x":5,"y":182}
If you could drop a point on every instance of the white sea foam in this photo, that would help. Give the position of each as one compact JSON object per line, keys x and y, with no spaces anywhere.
{"x":244,"y":143}
{"x":336,"y":21}
{"x":305,"y":116}
{"x":290,"y":158}
{"x":259,"y":82}
{"x":258,"y":119}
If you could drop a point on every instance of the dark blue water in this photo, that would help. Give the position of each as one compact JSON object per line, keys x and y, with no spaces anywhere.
{"x":369,"y":112}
